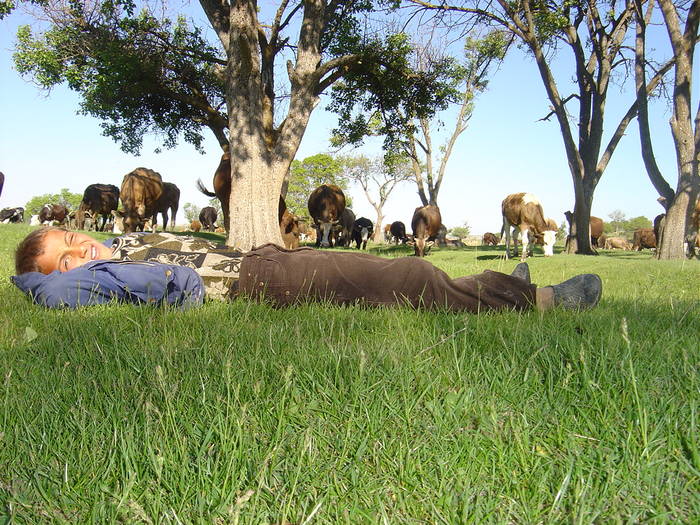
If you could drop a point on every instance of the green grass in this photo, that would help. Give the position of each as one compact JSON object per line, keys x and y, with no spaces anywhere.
{"x":241,"y":413}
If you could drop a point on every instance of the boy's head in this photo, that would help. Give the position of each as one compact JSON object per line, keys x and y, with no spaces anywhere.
{"x":48,"y":249}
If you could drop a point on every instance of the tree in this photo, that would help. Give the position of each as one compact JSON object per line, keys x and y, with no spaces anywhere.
{"x":461,"y":231}
{"x":141,"y":73}
{"x":414,"y":138}
{"x":616,"y":223}
{"x":596,"y":41}
{"x":191,"y":212}
{"x":679,"y":204}
{"x":309,"y":174}
{"x":377,"y":177}
{"x":65,"y":197}
{"x":637,"y":222}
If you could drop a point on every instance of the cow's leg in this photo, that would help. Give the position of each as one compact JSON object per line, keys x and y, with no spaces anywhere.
{"x":525,"y":239}
{"x":506,"y":230}
{"x":326,"y":228}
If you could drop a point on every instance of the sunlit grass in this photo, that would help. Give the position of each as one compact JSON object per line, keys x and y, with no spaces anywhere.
{"x":241,"y":413}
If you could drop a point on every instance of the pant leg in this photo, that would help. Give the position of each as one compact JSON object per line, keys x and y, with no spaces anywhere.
{"x":286,"y":277}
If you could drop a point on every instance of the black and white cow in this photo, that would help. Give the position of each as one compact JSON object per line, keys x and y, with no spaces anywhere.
{"x":362,"y":230}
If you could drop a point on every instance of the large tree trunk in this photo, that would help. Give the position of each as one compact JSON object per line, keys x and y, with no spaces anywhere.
{"x":378,"y":232}
{"x":579,"y":240}
{"x":671,"y":245}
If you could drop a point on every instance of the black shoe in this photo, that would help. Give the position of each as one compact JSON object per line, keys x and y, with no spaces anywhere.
{"x":578,"y":293}
{"x":522,"y":271}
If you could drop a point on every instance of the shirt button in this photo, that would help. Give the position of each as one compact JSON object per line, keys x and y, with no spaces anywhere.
{"x":168,"y":273}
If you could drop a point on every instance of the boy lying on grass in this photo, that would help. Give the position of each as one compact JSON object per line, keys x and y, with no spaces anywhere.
{"x":61,"y":268}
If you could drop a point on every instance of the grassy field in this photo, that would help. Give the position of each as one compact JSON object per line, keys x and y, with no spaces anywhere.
{"x":240,"y":413}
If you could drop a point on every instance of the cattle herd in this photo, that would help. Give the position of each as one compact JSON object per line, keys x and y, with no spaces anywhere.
{"x":144,"y":195}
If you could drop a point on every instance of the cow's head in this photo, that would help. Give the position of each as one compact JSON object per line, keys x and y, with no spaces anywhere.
{"x":421,"y":246}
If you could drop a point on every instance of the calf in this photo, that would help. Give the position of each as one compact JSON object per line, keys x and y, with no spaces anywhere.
{"x":361,"y":232}
{"x":207,"y":216}
{"x":387,"y":233}
{"x":398,"y":232}
{"x":425,"y":224}
{"x":643,"y":238}
{"x":289,"y":226}
{"x":489,"y":239}
{"x":524,"y":211}
{"x":343,"y":231}
{"x":326,"y":204}
{"x":53,"y":214}
{"x":195,"y":226}
{"x":617,"y":243}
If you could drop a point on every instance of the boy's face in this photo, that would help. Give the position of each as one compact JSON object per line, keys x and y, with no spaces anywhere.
{"x":64,"y":251}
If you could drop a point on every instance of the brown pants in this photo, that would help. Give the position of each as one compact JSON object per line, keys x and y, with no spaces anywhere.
{"x":287,"y":277}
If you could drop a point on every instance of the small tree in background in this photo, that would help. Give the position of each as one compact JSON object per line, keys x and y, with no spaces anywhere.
{"x":309,"y":174}
{"x":65,"y":197}
{"x":461,"y":231}
{"x":616,"y":223}
{"x":637,"y":222}
{"x":191,"y":211}
{"x":377,"y":177}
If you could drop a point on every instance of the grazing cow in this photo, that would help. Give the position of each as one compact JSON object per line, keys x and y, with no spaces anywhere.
{"x":326,"y":204}
{"x":398,"y":232}
{"x":387,"y":233}
{"x":362,"y":230}
{"x":524,"y":212}
{"x":14,"y":215}
{"x":34,"y":220}
{"x":208,"y":216}
{"x":139,"y":193}
{"x":595,"y":229}
{"x":343,"y":230}
{"x":489,"y":239}
{"x":168,"y":200}
{"x":53,"y":213}
{"x":222,"y":187}
{"x":98,"y":200}
{"x":643,"y":238}
{"x":425,"y":224}
{"x":195,"y":226}
{"x":617,"y":243}
{"x":2,"y":181}
{"x":88,"y":222}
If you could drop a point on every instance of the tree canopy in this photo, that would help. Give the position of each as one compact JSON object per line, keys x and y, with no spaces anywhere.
{"x":65,"y":197}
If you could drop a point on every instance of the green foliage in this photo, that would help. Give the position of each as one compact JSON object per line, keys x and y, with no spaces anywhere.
{"x":65,"y":197}
{"x":460,"y":231}
{"x":563,"y":231}
{"x":136,"y":73}
{"x":191,"y":211}
{"x":619,"y":223}
{"x":309,"y":174}
{"x":638,"y":222}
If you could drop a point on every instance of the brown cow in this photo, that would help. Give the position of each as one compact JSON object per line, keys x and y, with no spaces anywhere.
{"x":643,"y":238}
{"x":195,"y":226}
{"x":98,"y":199}
{"x":169,"y":200}
{"x":489,"y":239}
{"x":289,"y":226}
{"x":595,"y":229}
{"x":617,"y":243}
{"x":658,"y":223}
{"x":425,"y":224}
{"x":326,"y":204}
{"x":222,"y":187}
{"x":53,"y":213}
{"x":524,"y":211}
{"x":139,"y":193}
{"x":387,"y":233}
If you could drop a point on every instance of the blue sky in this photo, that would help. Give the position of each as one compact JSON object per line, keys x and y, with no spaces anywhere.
{"x":46,"y":146}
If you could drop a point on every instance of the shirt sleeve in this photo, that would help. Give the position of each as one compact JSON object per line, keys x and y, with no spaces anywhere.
{"x":99,"y":282}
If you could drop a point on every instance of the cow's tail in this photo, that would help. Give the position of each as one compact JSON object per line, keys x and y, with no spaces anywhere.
{"x":201,"y":187}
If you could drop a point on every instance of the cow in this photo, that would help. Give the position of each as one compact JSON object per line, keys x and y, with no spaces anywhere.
{"x":88,"y":222}
{"x":643,"y":238}
{"x":425,"y":224}
{"x":693,"y":236}
{"x":222,"y":186}
{"x":398,"y":232}
{"x":195,"y":226}
{"x":551,"y":226}
{"x":34,"y":220}
{"x":489,"y":239}
{"x":343,"y":230}
{"x":208,"y":216}
{"x":168,"y":200}
{"x":98,"y":200}
{"x":326,"y":204}
{"x":617,"y":243}
{"x":387,"y":233}
{"x":362,"y":230}
{"x":289,"y":226}
{"x":658,"y":224}
{"x":53,"y":214}
{"x":524,"y":212}
{"x":12,"y":215}
{"x":139,"y":193}
{"x":595,"y":229}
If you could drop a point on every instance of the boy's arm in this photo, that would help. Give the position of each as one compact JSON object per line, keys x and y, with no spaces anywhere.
{"x":99,"y":282}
